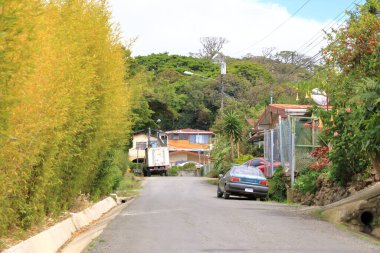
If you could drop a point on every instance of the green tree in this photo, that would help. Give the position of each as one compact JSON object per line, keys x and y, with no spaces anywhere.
{"x":220,"y":154}
{"x":232,"y":128}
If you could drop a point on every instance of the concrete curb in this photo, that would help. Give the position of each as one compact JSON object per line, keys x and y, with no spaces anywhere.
{"x":49,"y":241}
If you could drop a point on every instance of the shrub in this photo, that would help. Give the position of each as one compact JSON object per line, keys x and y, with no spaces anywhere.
{"x":188,"y":166}
{"x":173,"y":171}
{"x":137,"y":168}
{"x":306,"y":182}
{"x":321,"y":156}
{"x":242,"y":159}
{"x":278,"y":185}
{"x":213,"y":173}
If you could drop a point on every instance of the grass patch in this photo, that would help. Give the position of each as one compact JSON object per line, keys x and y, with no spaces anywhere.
{"x":129,"y":186}
{"x":93,"y":243}
{"x":213,"y":181}
{"x":318,"y":214}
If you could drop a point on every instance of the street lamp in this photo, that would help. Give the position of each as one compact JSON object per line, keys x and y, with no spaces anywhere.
{"x":189,"y":73}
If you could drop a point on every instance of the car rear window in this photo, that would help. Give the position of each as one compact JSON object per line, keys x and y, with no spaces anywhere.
{"x":245,"y":170}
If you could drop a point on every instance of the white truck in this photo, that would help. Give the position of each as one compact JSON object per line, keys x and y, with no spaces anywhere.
{"x":157,"y":161}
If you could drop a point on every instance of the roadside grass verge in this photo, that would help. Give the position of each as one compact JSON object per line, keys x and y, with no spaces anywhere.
{"x":129,"y":186}
{"x":212,"y":181}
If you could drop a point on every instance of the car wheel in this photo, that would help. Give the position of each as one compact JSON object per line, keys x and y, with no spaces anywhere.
{"x":219,"y":194}
{"x":226,"y":195}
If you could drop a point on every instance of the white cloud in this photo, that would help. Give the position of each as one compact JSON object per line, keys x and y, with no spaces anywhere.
{"x":176,"y":26}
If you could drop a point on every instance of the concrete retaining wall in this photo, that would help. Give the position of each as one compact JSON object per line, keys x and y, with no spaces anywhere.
{"x":351,"y":209}
{"x":188,"y":173}
{"x":49,"y":241}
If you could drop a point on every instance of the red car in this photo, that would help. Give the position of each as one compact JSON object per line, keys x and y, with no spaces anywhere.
{"x":262,"y":165}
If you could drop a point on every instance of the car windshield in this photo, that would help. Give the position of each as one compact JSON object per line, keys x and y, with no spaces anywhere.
{"x":245,"y":170}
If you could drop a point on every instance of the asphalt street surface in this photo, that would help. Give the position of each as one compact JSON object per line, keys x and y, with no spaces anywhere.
{"x":183,"y":214}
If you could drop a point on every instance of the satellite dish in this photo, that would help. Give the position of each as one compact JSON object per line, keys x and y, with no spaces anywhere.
{"x":319,"y":96}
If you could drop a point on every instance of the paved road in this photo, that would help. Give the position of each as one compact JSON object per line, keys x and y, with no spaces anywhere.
{"x":182,"y":214}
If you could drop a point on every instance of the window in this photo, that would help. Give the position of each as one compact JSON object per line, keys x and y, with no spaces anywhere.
{"x":200,"y":139}
{"x":153,"y":144}
{"x":141,"y":145}
{"x":183,"y":136}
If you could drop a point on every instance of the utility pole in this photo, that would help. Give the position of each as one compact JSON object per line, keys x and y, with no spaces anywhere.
{"x":223,"y":71}
{"x":271,"y":95}
{"x":219,"y":59}
{"x":149,"y":133}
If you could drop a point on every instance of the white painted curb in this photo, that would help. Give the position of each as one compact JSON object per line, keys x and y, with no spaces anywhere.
{"x":49,"y":241}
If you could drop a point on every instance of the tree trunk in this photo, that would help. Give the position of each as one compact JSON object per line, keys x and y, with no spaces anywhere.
{"x":232,"y":147}
{"x":238,"y":149}
{"x":375,"y":159}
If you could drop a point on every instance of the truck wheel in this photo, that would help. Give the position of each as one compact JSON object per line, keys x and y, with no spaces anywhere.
{"x":148,"y":173}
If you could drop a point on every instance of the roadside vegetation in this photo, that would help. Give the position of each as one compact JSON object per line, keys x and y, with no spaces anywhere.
{"x":129,"y":186}
{"x":174,"y":170}
{"x":350,"y":155}
{"x":65,"y":109}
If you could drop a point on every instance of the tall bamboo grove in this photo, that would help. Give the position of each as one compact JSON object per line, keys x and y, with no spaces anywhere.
{"x":64,"y":110}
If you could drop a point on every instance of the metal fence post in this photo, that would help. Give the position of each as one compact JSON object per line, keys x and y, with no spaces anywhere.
{"x":271,"y":152}
{"x":281,"y":141}
{"x":293,"y":153}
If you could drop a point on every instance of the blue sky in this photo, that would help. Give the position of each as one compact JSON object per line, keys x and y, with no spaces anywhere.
{"x":250,"y":26}
{"x":320,"y":10}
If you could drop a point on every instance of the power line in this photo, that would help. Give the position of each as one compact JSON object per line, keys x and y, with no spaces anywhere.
{"x":330,"y":25}
{"x":278,"y":27}
{"x":318,"y":56}
{"x":312,"y":60}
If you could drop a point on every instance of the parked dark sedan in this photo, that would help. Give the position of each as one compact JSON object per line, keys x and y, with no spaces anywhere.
{"x":243,"y":180}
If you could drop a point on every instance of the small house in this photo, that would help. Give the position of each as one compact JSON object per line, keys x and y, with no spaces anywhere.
{"x":140,"y":143}
{"x":189,"y":145}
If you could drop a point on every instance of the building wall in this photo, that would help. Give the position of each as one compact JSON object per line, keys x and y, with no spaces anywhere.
{"x":177,"y":157}
{"x":186,"y":157}
{"x":133,"y":153}
{"x":185,"y":144}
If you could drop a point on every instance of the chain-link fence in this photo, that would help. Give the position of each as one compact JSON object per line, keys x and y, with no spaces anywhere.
{"x":290,"y":143}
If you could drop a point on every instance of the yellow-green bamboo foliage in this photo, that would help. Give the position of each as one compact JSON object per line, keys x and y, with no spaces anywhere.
{"x":64,"y":106}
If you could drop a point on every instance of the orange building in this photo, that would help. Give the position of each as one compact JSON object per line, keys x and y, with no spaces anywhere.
{"x":189,"y":145}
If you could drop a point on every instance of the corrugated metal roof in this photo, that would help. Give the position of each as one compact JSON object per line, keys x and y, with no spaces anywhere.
{"x":288,"y":106}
